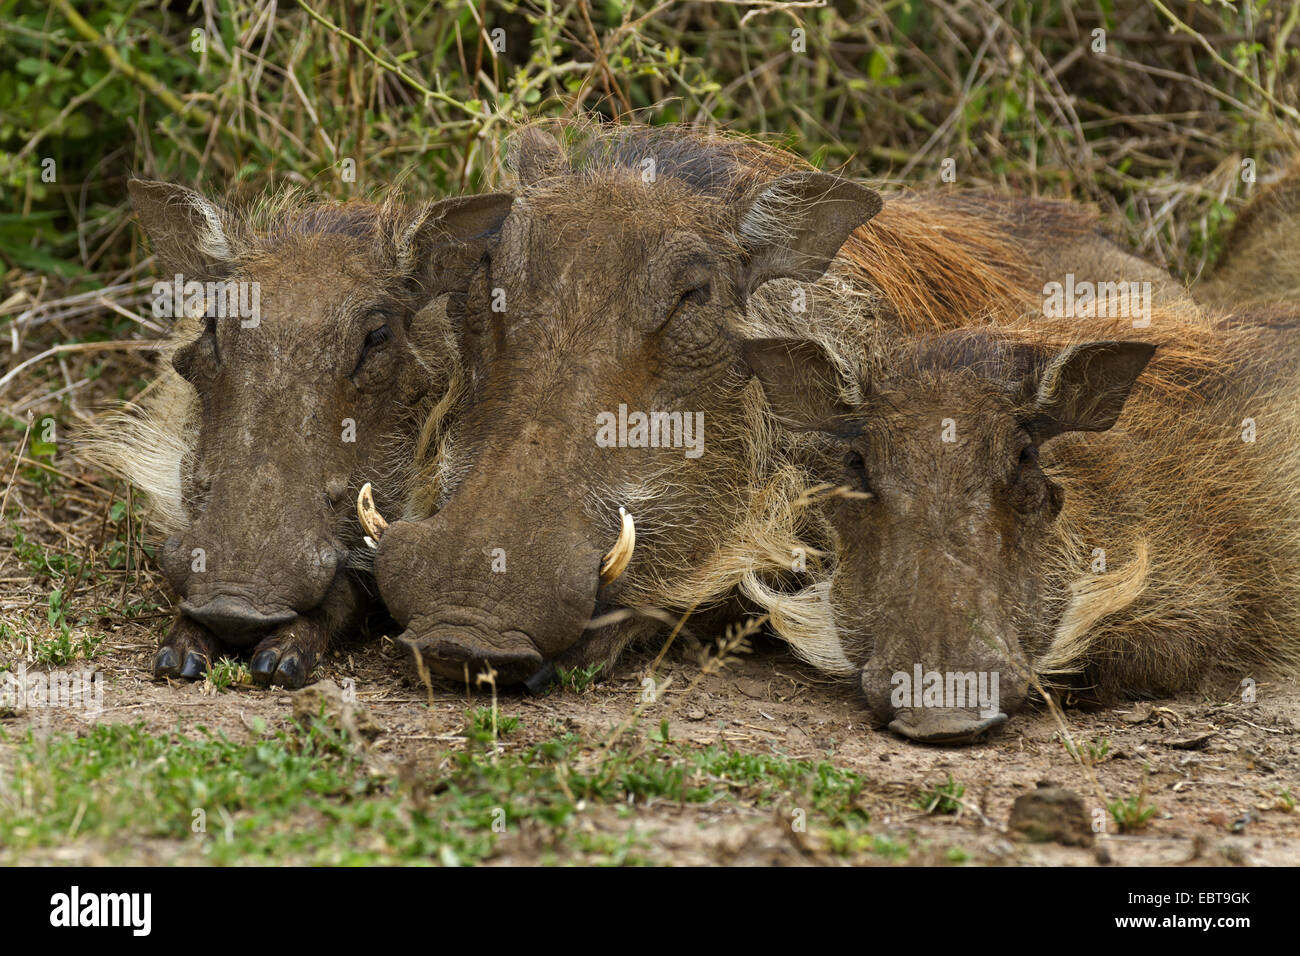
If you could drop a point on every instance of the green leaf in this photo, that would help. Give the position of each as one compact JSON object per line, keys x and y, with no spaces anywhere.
{"x":878,"y":65}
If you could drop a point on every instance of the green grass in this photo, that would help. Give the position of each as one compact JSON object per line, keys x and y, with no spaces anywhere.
{"x":75,"y":625}
{"x":578,"y":679}
{"x":943,"y":798}
{"x":42,"y":560}
{"x":310,"y":796}
{"x":63,"y":647}
{"x":957,"y":856}
{"x":228,"y":672}
{"x":485,"y":722}
{"x":1132,"y":814}
{"x":851,"y":843}
{"x":879,"y":86}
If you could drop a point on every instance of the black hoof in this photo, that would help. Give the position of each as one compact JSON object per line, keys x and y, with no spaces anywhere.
{"x":196,"y":665}
{"x":167,"y":663}
{"x":290,"y":673}
{"x":270,"y":667}
{"x":262,"y":667}
{"x":541,"y":681}
{"x":186,"y":653}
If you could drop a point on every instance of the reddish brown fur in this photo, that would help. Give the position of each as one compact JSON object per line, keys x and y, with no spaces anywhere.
{"x":1260,"y":261}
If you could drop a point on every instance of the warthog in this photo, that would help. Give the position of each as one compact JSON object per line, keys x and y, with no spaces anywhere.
{"x":602,"y":334}
{"x":1001,"y":518}
{"x":251,"y":445}
{"x":1260,"y":261}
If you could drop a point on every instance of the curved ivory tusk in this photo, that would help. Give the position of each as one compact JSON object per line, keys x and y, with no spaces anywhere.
{"x":616,"y":561}
{"x":371,"y":520}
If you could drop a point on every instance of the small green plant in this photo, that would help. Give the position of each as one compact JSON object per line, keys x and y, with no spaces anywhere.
{"x":42,"y":560}
{"x":661,"y":734}
{"x":228,"y":672}
{"x":944,"y":798}
{"x":56,"y":650}
{"x":63,"y":648}
{"x":480,"y":723}
{"x":1090,"y":752}
{"x":849,"y":843}
{"x":1132,"y":813}
{"x":578,"y":679}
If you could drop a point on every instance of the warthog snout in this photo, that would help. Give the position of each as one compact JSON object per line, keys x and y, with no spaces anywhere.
{"x":235,"y":618}
{"x":944,"y":727}
{"x":470,"y":634}
{"x":950,"y":704}
{"x":241,"y":594}
{"x":532,"y":607}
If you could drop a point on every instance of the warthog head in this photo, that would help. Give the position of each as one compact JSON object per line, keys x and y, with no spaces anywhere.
{"x":305,"y":373}
{"x":942,"y":589}
{"x":604,"y":371}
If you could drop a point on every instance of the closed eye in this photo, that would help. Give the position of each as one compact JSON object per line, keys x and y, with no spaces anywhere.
{"x":698,"y":295}
{"x":374,"y":339}
{"x":1026,"y":471}
{"x":857,"y":467}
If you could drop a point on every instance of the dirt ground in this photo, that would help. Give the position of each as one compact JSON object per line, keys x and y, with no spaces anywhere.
{"x":1215,"y":770}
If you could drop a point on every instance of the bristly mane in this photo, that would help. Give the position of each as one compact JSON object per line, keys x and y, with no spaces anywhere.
{"x":718,"y":166}
{"x":263,"y":224}
{"x":1194,"y":356}
{"x":939,"y":259}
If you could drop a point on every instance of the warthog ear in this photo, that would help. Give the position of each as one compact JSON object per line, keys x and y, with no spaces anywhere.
{"x":185,"y":229}
{"x":441,"y":245}
{"x":534,"y":154}
{"x":1084,"y":388}
{"x":801,"y":383}
{"x":794,"y":227}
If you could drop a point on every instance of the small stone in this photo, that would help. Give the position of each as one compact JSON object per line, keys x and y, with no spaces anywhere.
{"x":1139,"y":714}
{"x":1051,"y":815}
{"x":324,"y":702}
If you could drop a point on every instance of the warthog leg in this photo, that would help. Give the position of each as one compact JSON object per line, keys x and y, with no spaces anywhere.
{"x":289,"y":654}
{"x":187,"y":652}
